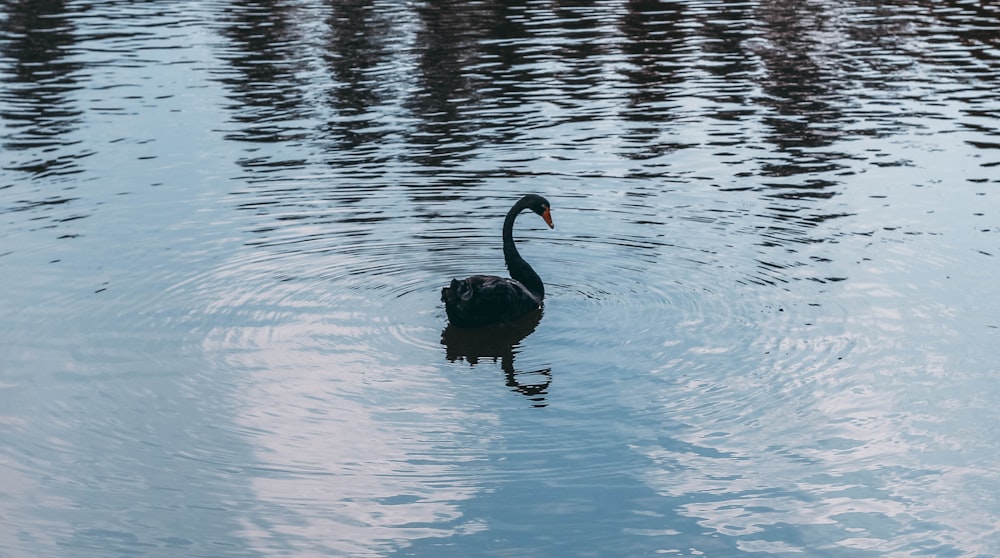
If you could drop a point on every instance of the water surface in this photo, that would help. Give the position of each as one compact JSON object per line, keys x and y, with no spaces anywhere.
{"x":771,"y":312}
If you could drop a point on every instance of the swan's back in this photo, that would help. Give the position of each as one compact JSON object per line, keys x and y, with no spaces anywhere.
{"x":486,"y":299}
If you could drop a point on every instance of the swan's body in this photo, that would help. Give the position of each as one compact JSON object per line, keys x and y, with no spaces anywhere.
{"x":482,"y":300}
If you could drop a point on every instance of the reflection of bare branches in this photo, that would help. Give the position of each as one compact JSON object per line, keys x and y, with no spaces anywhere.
{"x":498,"y":342}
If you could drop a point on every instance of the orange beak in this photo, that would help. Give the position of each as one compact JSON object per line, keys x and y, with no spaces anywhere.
{"x":548,"y":218}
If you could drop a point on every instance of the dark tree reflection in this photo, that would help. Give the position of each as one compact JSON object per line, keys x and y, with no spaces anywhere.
{"x":266,"y":84}
{"x":38,"y":108}
{"x":801,"y":80}
{"x":448,"y":45}
{"x":362,"y":56}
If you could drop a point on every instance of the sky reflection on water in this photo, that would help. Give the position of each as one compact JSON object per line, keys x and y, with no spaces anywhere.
{"x":770,"y":323}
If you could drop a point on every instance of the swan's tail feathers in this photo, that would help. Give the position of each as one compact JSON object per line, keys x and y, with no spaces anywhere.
{"x":449,"y":294}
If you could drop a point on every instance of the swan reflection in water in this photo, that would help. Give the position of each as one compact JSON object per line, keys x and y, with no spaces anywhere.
{"x":499,"y":342}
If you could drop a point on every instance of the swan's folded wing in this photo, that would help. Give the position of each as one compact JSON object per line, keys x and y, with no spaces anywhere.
{"x":484,"y":299}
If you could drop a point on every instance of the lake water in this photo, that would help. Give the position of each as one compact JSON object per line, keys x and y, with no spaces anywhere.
{"x":772,"y":317}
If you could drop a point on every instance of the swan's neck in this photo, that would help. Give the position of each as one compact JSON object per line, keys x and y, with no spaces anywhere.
{"x":518,"y":268}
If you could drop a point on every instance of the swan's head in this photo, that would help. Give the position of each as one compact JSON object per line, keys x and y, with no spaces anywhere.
{"x":539,"y":205}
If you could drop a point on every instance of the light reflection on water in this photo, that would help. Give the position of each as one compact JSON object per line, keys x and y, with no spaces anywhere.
{"x":769,"y":326}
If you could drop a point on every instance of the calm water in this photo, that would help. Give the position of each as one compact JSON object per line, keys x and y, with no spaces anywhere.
{"x":772,"y":317}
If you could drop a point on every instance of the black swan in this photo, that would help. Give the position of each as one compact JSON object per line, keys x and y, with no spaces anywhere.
{"x":482,"y":300}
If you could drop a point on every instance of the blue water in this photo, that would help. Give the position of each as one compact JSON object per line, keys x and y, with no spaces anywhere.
{"x":771,"y":316}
